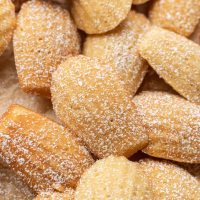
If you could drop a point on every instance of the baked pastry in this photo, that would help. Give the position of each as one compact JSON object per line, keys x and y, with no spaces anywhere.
{"x":173,"y":125}
{"x":67,"y":195}
{"x":175,"y":58}
{"x":12,"y":187}
{"x":14,"y":95}
{"x":180,"y":16}
{"x":119,"y":47}
{"x":43,"y":153}
{"x":136,"y":2}
{"x":168,"y":181}
{"x":45,"y":37}
{"x":8,"y":22}
{"x":96,"y":107}
{"x":87,"y":97}
{"x":113,"y":178}
{"x":94,"y":16}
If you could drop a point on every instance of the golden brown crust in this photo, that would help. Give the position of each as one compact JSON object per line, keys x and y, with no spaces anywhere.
{"x":43,"y":153}
{"x":97,"y":107}
{"x":94,"y":16}
{"x":8,"y":22}
{"x":175,"y":58}
{"x":67,"y":195}
{"x":45,"y":36}
{"x":113,"y":178}
{"x":119,"y":47}
{"x":173,"y":125}
{"x":180,"y":16}
{"x":168,"y":181}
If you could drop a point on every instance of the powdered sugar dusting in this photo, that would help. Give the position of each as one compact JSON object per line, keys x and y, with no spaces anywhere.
{"x":7,"y":23}
{"x":99,"y":110}
{"x":67,"y":195}
{"x":174,"y":126}
{"x":44,"y":154}
{"x":119,"y":47}
{"x":94,"y":16}
{"x":113,"y":178}
{"x":178,"y":16}
{"x":168,"y":181}
{"x":45,"y":36}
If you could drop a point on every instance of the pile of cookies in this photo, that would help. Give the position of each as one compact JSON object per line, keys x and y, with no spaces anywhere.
{"x":99,"y":100}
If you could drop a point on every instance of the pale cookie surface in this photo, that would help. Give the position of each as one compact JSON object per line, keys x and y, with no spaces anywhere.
{"x":173,"y":124}
{"x":139,"y":1}
{"x":119,"y":47}
{"x":96,"y":107}
{"x":113,"y":178}
{"x":94,"y":16}
{"x":180,"y":16}
{"x":43,"y":153}
{"x":67,"y":195}
{"x":168,"y":181}
{"x":45,"y":36}
{"x":12,"y":187}
{"x":176,"y":59}
{"x":7,"y":23}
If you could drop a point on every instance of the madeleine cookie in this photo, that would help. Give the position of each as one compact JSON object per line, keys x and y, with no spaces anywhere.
{"x":136,"y":2}
{"x":12,"y":187}
{"x":173,"y":125}
{"x":87,"y":96}
{"x":180,"y":16}
{"x":119,"y":47}
{"x":113,"y":178}
{"x":168,"y":181}
{"x":45,"y":36}
{"x":176,"y":59}
{"x":67,"y":195}
{"x":43,"y":153}
{"x":94,"y":16}
{"x":18,"y":3}
{"x":7,"y":23}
